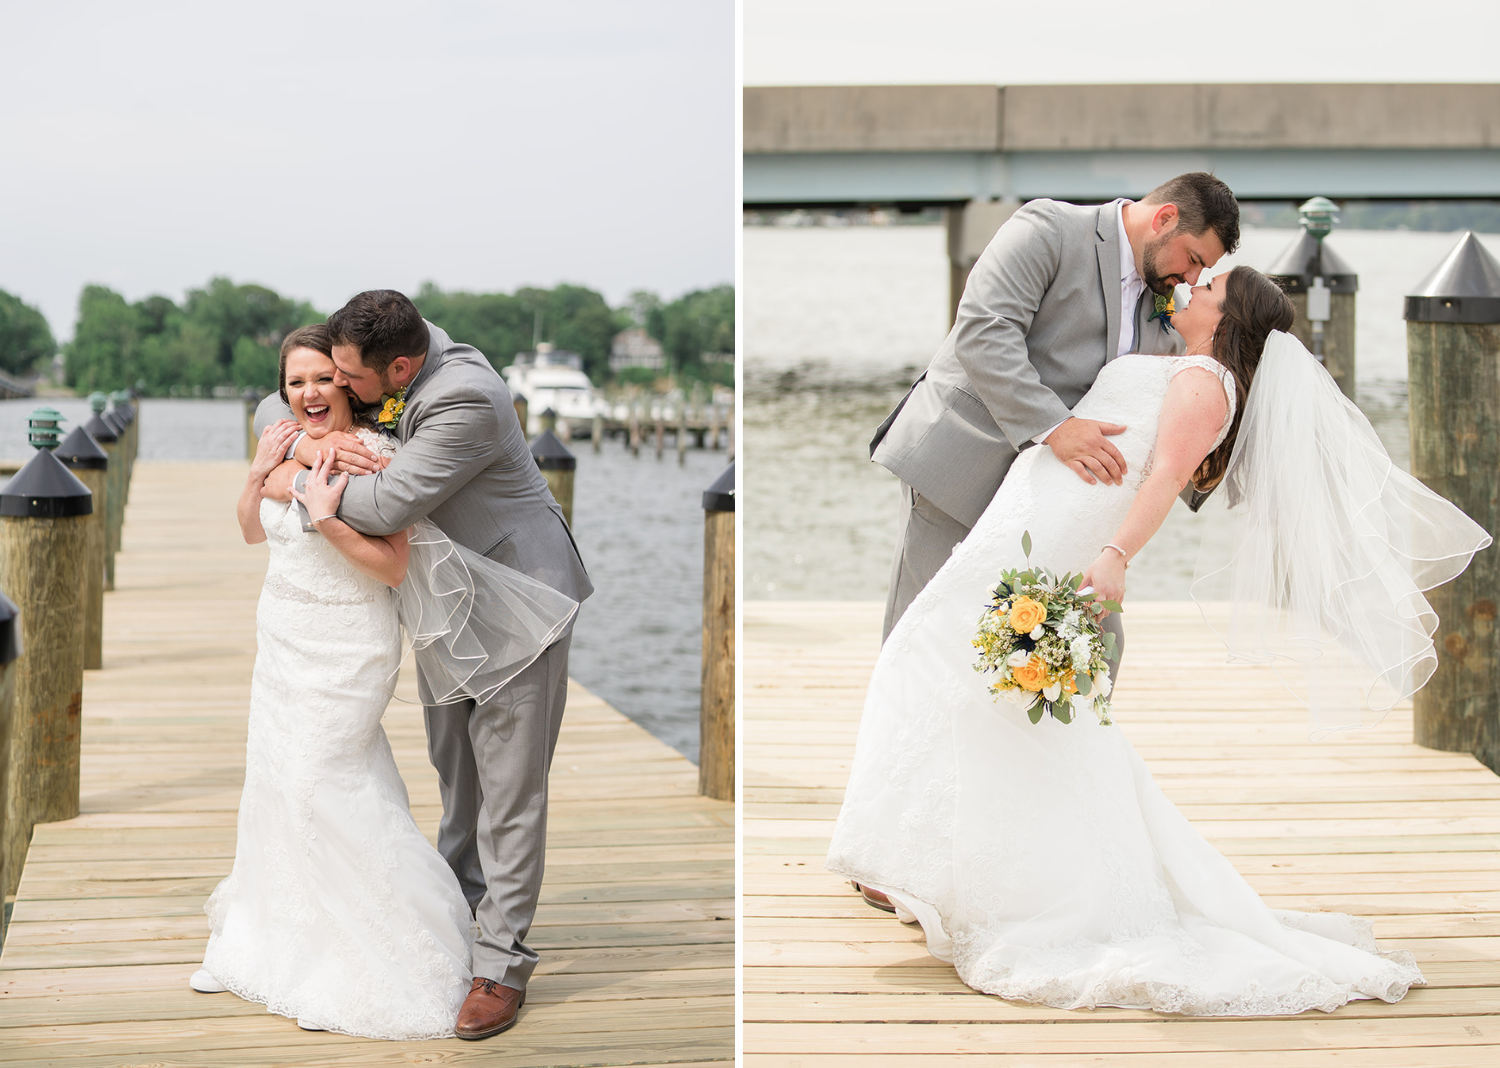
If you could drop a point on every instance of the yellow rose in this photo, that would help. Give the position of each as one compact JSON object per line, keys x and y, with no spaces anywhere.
{"x":1026,"y":614}
{"x":1031,"y":675}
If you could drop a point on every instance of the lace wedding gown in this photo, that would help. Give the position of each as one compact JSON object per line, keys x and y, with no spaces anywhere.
{"x":337,"y":911}
{"x":1042,"y":860}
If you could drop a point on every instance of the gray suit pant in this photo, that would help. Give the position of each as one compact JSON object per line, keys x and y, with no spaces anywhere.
{"x":492,"y":762}
{"x":928,"y":535}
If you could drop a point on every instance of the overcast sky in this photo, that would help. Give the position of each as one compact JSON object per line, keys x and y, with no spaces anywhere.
{"x":321,"y":148}
{"x":1005,"y":42}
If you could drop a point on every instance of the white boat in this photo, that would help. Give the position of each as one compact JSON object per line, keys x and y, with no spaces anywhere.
{"x":551,"y":379}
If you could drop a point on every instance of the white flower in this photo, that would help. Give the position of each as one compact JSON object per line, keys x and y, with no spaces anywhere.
{"x":1082,"y":651}
{"x":1019,"y":698}
{"x":1102,"y":684}
{"x":1037,"y":632}
{"x":1019,"y":658}
{"x":1053,"y":692}
{"x":1071,"y":624}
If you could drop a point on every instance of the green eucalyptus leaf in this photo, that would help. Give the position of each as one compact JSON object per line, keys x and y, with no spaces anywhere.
{"x":1034,"y":713}
{"x":1109,"y":642}
{"x":1084,"y":683}
{"x":1026,"y":544}
{"x":1113,"y":606}
{"x":1062,"y":712}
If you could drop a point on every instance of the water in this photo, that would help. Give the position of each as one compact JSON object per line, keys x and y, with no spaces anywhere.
{"x":839,"y":321}
{"x":638,"y":523}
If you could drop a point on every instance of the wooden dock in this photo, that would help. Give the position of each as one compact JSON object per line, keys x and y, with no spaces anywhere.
{"x":636,"y":925}
{"x":1364,"y":823}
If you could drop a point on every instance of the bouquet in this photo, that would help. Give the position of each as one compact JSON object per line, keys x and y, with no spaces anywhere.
{"x":1041,"y":636}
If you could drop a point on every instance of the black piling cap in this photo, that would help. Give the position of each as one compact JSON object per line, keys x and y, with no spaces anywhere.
{"x":78,"y":452}
{"x":1464,"y":288}
{"x":10,"y":630}
{"x":1295,"y":269}
{"x":719,"y":497}
{"x":99,"y":430}
{"x":551,"y":454}
{"x":112,"y":420}
{"x":45,"y":489}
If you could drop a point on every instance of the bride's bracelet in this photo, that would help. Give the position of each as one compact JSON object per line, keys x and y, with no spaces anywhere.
{"x":330,"y":515}
{"x":1123,"y":555}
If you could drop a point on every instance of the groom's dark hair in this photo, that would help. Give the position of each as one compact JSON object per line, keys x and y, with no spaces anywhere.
{"x":382,"y":324}
{"x":1203,"y":203}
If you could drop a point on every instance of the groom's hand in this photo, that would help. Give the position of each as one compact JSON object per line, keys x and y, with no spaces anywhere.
{"x":1083,"y":446}
{"x":349,"y":453}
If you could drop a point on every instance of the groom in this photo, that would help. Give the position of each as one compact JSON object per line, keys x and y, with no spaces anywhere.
{"x":464,"y":464}
{"x":1061,"y":290}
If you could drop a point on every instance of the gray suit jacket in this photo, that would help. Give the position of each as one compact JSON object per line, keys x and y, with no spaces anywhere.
{"x":1038,"y":320}
{"x":464,"y":464}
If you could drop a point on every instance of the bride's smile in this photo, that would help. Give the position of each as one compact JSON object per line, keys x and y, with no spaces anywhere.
{"x":318,"y":404}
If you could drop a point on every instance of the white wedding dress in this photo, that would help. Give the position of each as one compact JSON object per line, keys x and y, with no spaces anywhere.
{"x":1042,"y":860}
{"x":337,"y":911}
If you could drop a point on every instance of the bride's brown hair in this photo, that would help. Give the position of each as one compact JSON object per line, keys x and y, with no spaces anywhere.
{"x":1253,"y":306}
{"x":315,"y":337}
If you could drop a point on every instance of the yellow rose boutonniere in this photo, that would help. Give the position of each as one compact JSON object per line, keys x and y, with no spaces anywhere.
{"x":390,"y":413}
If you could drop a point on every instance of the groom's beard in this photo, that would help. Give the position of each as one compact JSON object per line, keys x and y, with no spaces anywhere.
{"x":1161,"y":285}
{"x":359,"y":407}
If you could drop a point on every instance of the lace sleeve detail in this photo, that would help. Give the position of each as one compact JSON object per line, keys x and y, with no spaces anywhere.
{"x":1225,"y":377}
{"x":378,"y":442}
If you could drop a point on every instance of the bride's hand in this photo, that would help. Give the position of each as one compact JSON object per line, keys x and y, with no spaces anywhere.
{"x":270,"y":451}
{"x":321,"y":497}
{"x":1106,"y":575}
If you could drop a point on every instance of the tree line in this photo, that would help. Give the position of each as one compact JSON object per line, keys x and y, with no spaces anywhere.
{"x":229,"y":335}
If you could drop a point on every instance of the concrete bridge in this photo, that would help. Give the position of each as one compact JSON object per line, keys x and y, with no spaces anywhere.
{"x":980,"y":150}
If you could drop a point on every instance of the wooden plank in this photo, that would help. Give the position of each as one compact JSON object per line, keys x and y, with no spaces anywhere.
{"x":1365,"y":823}
{"x":636,"y":925}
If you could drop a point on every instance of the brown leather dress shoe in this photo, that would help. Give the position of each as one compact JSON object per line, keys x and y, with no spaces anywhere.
{"x":489,"y":1009}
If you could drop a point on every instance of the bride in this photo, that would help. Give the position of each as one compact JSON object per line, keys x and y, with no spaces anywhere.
{"x":338,"y":912}
{"x":1042,"y":860}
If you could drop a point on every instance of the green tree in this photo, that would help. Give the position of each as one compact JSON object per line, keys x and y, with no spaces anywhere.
{"x":103,"y":351}
{"x":25,"y":337}
{"x":693,"y":324}
{"x":229,"y":312}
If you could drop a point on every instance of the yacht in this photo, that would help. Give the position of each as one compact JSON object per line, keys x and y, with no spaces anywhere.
{"x":553,"y":378}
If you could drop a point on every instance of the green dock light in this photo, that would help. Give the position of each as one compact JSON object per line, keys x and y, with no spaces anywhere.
{"x":1318,"y":217}
{"x":44,"y":428}
{"x":97,"y":401}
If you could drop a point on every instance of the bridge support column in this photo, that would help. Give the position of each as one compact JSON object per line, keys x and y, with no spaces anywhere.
{"x":970,"y":229}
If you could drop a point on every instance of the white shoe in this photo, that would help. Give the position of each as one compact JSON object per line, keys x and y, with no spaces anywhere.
{"x":205,"y":983}
{"x":308,"y":1026}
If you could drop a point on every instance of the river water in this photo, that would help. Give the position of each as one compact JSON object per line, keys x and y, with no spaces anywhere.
{"x":638,"y":523}
{"x":840,"y":320}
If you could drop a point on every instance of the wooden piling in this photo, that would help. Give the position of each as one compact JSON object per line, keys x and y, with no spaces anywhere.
{"x":109,"y":440}
{"x":43,"y":545}
{"x":251,"y":400}
{"x":682,"y":430}
{"x":1453,"y":360}
{"x":522,"y":412}
{"x":633,"y":439}
{"x":713,"y":425}
{"x":716,"y":744}
{"x":10,"y":651}
{"x":89,"y":463}
{"x":596,"y":434}
{"x":558,"y":466}
{"x":1296,"y":270}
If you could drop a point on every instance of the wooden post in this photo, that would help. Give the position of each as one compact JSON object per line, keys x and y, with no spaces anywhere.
{"x":596,"y":435}
{"x":682,"y":430}
{"x":252,"y":402}
{"x":634,"y":438}
{"x":10,"y":651}
{"x":43,"y":543}
{"x":661,"y":419}
{"x":1297,"y":271}
{"x":108,"y":440}
{"x":729,"y":429}
{"x":1453,"y":362}
{"x":89,"y":463}
{"x":519,"y":400}
{"x":716,"y":746}
{"x":557,"y":465}
{"x":713,"y":425}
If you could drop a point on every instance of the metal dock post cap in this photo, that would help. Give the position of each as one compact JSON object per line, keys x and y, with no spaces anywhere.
{"x":1295,"y":269}
{"x":113,"y":420}
{"x":10,"y":631}
{"x":1464,"y":288}
{"x":45,"y":489}
{"x":551,"y":454}
{"x":100,"y":430}
{"x":719,"y":497}
{"x":80,"y":451}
